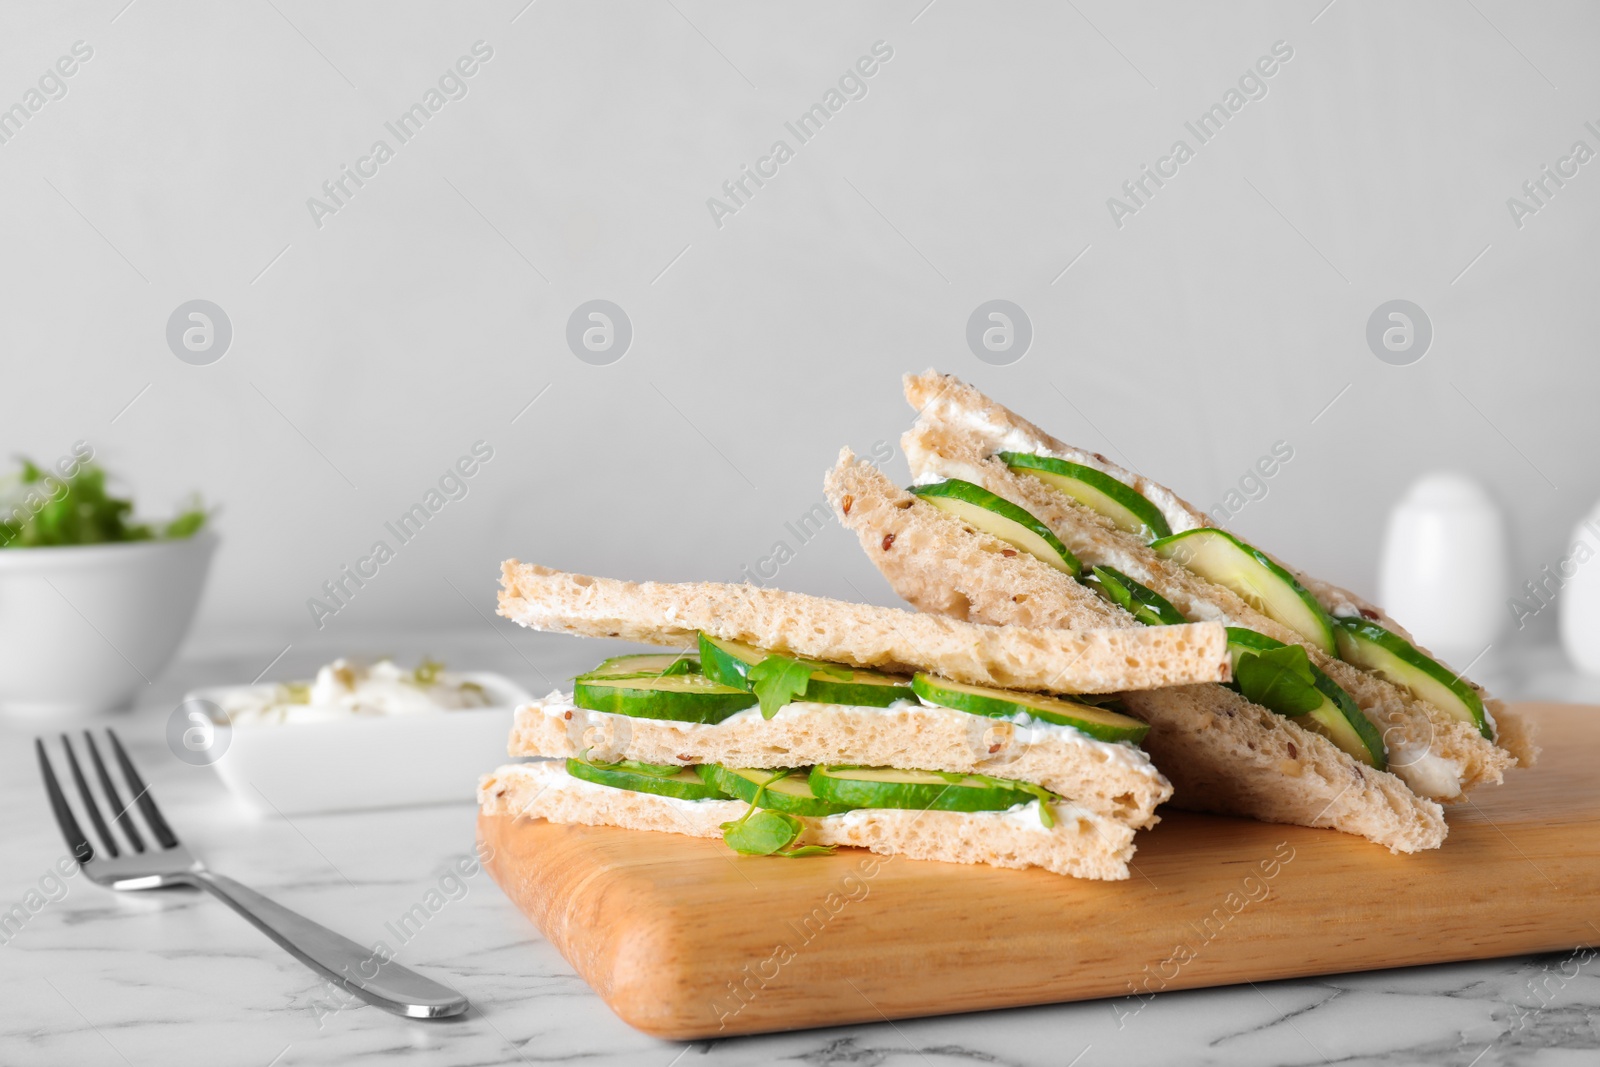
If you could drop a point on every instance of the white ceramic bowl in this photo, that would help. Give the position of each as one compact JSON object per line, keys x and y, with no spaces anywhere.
{"x":367,"y":761}
{"x":84,"y":628}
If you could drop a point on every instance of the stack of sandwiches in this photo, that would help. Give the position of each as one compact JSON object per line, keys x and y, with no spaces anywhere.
{"x":1087,"y":647}
{"x":904,"y":733}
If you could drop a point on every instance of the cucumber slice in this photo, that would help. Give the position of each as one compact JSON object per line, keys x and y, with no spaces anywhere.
{"x":885,"y":787}
{"x":1096,"y":490}
{"x":1143,"y":603}
{"x":681,"y":697}
{"x":1100,"y":723}
{"x":729,"y":662}
{"x":1373,"y":648}
{"x":1338,"y":718}
{"x":666,"y":781}
{"x":999,"y":517}
{"x":868,"y":689}
{"x":1218,"y":556}
{"x":650,"y":664}
{"x":787,"y":788}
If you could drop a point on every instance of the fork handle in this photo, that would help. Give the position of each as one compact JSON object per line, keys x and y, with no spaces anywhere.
{"x":358,"y":969}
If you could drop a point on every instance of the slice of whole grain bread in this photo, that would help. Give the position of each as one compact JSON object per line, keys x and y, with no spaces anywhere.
{"x":862,"y":635}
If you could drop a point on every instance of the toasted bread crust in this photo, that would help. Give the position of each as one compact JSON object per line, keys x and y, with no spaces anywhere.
{"x":861,"y":635}
{"x":1080,"y":845}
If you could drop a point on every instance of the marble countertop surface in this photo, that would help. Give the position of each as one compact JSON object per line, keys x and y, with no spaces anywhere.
{"x":173,"y":977}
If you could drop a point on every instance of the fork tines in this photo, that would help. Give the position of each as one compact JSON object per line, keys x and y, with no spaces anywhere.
{"x":77,"y":841}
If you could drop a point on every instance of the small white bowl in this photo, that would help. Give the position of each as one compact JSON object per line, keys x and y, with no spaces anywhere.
{"x":85,"y":627}
{"x":366,"y":761}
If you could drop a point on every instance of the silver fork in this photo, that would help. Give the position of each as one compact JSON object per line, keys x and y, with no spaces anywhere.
{"x":363,"y":972}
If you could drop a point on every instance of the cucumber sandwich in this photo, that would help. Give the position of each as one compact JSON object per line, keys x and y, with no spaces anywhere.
{"x":790,"y":724}
{"x":1333,"y":716}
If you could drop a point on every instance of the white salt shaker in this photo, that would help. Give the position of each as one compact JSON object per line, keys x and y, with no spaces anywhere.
{"x":1575,"y":576}
{"x":1445,"y":565}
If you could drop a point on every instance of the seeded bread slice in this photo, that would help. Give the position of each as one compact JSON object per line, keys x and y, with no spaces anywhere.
{"x":1116,"y":781}
{"x":1080,"y":844}
{"x":1436,"y":754}
{"x":862,"y":635}
{"x":1445,"y":756}
{"x":1220,"y":752}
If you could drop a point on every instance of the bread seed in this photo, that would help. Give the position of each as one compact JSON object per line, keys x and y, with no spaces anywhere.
{"x":847,"y":503}
{"x":1008,"y":552}
{"x":888,"y":539}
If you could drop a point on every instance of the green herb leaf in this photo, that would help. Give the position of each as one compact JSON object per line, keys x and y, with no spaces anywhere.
{"x":761,"y":833}
{"x":39,"y":508}
{"x":769,"y":833}
{"x":777,"y":680}
{"x":1038,"y":792}
{"x":1144,"y":604}
{"x":681,"y":665}
{"x":427,"y":672}
{"x":1279,"y":679}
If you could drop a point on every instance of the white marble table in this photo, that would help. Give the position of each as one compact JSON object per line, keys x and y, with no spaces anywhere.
{"x":176,"y":978}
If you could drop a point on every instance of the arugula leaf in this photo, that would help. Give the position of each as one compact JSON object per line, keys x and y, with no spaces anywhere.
{"x":681,"y":665}
{"x":769,"y":833}
{"x":1279,"y":679}
{"x":1038,"y":792}
{"x":1146,"y":605}
{"x":777,"y":680}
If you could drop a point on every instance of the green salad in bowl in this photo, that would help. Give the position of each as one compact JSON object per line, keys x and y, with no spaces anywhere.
{"x":69,"y":505}
{"x":94,"y":600}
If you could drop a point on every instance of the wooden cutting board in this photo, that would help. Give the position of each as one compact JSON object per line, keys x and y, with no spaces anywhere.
{"x":684,"y":939}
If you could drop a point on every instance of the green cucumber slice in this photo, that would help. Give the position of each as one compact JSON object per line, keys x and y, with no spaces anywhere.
{"x":1100,"y":723}
{"x":1143,"y":603}
{"x":681,"y":697}
{"x":868,"y":689}
{"x":885,"y":787}
{"x":666,"y":781}
{"x":1218,"y":556}
{"x":729,"y":662}
{"x":787,"y":788}
{"x":649,"y":664}
{"x":1387,"y":654}
{"x":1096,"y":490}
{"x":1337,"y":717}
{"x":1000,"y":518}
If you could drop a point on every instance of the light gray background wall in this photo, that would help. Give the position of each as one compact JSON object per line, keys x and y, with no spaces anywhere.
{"x":372,"y":351}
